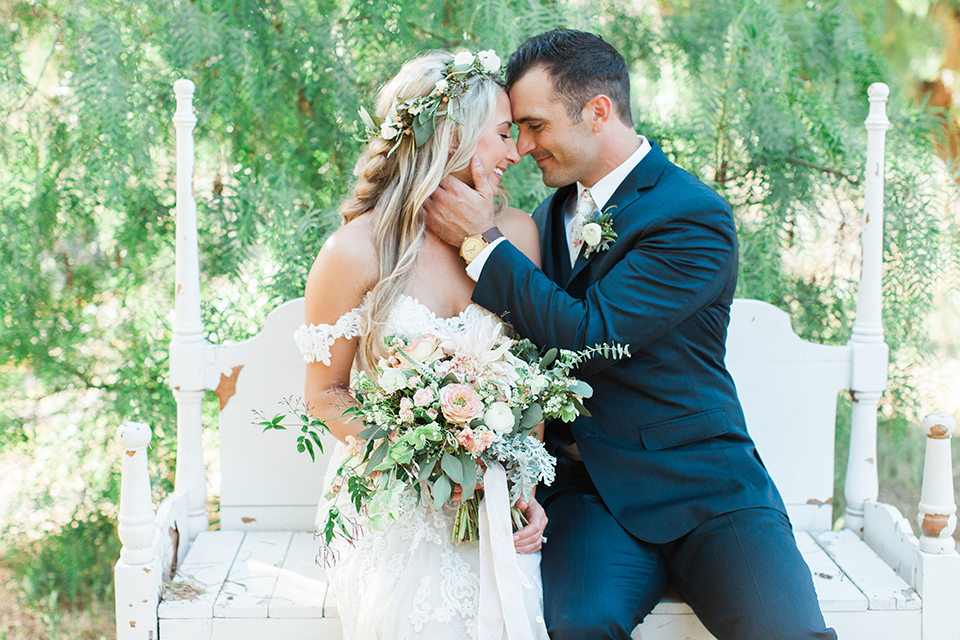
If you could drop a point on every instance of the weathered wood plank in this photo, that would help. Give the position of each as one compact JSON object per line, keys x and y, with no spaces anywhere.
{"x":186,"y":628}
{"x":884,"y":589}
{"x":302,"y":586}
{"x":886,"y":625}
{"x":253,"y":576}
{"x":275,"y":628}
{"x":834,"y":590}
{"x":204,"y":570}
{"x":274,"y":517}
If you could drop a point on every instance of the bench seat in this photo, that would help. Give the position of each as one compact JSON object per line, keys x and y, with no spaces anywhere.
{"x":239,"y":584}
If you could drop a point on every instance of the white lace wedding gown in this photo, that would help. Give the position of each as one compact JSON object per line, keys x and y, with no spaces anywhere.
{"x":409,"y":581}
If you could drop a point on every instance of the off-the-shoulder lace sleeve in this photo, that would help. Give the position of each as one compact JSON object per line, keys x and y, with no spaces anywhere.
{"x":315,"y":340}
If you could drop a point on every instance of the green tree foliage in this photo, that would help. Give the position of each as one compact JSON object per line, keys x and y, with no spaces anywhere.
{"x":764,"y":99}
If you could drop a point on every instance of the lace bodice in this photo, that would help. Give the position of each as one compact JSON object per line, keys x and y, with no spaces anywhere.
{"x":409,"y":317}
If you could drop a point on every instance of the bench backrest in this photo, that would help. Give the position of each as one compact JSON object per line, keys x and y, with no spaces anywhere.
{"x":788,"y":388}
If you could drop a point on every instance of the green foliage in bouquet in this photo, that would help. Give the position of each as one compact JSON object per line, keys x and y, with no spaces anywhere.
{"x":439,"y":410}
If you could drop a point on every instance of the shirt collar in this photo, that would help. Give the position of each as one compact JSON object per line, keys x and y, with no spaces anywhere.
{"x":607,"y":185}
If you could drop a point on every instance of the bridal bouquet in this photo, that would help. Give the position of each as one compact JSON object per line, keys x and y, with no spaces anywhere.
{"x":440,"y":408}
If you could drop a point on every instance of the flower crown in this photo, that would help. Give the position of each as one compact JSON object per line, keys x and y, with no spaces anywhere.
{"x":418,"y":116}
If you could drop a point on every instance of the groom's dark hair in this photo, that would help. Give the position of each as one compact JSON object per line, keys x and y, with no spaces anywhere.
{"x":581,"y":65}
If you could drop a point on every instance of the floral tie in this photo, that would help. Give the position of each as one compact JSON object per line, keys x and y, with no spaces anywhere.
{"x":585,"y":206}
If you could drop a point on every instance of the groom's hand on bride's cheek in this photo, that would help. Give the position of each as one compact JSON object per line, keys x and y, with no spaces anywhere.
{"x":530,"y":538}
{"x":456,"y":210}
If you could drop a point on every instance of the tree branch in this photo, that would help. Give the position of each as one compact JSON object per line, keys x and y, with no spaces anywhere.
{"x":833,"y":172}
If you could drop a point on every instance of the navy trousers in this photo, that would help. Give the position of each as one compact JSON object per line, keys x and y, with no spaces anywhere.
{"x":741,"y":572}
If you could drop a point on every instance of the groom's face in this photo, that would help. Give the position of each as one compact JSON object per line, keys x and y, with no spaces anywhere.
{"x":564,"y":150}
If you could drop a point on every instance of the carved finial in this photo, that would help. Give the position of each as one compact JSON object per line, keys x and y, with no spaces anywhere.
{"x":937,"y":510}
{"x":939,"y":426}
{"x":878,"y":91}
{"x":134,"y":435}
{"x":184,"y":88}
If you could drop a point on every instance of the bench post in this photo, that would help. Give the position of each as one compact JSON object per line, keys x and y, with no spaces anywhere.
{"x":937,"y":514}
{"x":939,"y":569}
{"x":188,"y":345}
{"x":137,"y":575}
{"x":870,"y":352}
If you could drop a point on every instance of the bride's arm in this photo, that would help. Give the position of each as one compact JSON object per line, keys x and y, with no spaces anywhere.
{"x":345,"y":269}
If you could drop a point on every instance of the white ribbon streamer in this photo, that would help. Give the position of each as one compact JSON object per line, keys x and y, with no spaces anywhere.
{"x":502,"y":615}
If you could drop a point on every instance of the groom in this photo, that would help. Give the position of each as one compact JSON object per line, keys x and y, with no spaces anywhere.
{"x":662,"y":485}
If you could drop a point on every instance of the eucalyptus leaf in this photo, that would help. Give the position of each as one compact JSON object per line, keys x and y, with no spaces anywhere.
{"x":376,"y":457}
{"x":442,"y":490}
{"x":367,"y":120}
{"x":548,"y":358}
{"x":374,"y":432}
{"x":422,"y":131}
{"x":582,"y":389}
{"x":426,"y":470}
{"x":531,"y":417}
{"x":452,"y":466}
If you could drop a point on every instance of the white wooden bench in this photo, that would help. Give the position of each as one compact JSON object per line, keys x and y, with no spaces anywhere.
{"x":256,"y":577}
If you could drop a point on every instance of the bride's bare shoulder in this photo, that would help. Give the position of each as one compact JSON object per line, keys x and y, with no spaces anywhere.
{"x":346,"y":266}
{"x":521,"y":230}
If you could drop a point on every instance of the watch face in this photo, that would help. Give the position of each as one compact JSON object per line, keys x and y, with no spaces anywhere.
{"x":472,"y":247}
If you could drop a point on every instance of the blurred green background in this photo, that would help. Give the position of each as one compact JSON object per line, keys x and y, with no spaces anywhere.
{"x":762,"y":99}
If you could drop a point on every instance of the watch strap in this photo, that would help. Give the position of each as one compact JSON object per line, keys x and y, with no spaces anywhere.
{"x":491,"y":234}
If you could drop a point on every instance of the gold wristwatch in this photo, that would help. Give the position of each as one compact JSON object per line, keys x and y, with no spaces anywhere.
{"x":471,"y":246}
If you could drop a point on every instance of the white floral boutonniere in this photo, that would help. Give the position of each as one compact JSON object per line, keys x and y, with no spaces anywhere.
{"x":597,"y":231}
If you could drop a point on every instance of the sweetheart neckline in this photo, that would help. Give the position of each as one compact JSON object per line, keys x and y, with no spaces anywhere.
{"x":434,"y":314}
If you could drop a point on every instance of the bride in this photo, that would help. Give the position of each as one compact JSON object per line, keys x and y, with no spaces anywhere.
{"x":382,"y":273}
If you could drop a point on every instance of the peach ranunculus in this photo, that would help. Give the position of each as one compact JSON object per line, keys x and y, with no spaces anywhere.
{"x":460,"y":403}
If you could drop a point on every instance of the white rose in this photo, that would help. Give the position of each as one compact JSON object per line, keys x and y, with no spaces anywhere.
{"x":489,"y":60}
{"x":499,"y":417}
{"x":441,"y":86}
{"x":392,"y":380}
{"x":388,"y":130}
{"x":464,"y":57}
{"x":592,"y":233}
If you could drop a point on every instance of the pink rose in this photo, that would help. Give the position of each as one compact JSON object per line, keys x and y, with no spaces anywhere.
{"x":424,"y":349}
{"x":423,"y":397}
{"x":460,"y":403}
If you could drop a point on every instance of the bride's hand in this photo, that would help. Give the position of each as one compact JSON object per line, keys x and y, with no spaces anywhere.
{"x":458,"y":491}
{"x":530,"y":538}
{"x":455,"y":210}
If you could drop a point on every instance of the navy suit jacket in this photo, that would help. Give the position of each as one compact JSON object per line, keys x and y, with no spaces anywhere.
{"x":666,"y":446}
